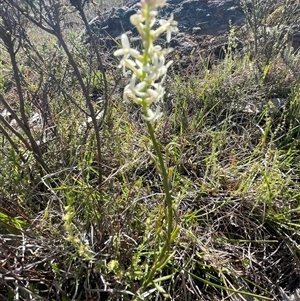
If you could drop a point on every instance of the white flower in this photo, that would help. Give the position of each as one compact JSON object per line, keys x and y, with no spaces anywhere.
{"x":152,"y":116}
{"x":134,"y":92}
{"x":154,"y":71}
{"x":130,"y":64}
{"x":126,"y":50}
{"x":129,"y":96}
{"x":164,"y":69}
{"x":167,"y":25}
{"x":158,"y":68}
{"x":155,"y":94}
{"x":137,"y":20}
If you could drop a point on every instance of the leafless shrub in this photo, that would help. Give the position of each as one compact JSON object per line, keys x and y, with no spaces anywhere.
{"x":269,"y":26}
{"x":47,"y":17}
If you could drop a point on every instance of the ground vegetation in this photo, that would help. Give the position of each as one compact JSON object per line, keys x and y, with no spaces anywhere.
{"x":82,"y":214}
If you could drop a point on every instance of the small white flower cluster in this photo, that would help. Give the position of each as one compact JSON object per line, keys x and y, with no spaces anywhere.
{"x":148,"y":68}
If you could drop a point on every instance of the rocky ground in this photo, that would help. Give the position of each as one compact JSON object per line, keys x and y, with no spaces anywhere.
{"x":203,"y":26}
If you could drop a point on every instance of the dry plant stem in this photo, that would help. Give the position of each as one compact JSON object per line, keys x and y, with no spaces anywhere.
{"x":255,"y":21}
{"x":99,"y":60}
{"x":30,"y":17}
{"x":90,"y":106}
{"x":19,"y":122}
{"x":27,"y":132}
{"x":11,"y":142}
{"x":88,"y":101}
{"x":53,"y":22}
{"x":9,"y":42}
{"x":35,"y":148}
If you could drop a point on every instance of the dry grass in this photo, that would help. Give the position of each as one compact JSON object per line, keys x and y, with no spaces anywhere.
{"x":235,"y":179}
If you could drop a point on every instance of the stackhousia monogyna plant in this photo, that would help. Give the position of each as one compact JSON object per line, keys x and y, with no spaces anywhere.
{"x":148,"y":69}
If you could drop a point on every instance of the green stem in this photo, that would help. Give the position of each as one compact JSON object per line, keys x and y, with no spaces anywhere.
{"x":168,"y":209}
{"x":163,"y":253}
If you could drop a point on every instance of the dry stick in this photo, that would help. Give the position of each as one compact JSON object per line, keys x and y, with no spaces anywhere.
{"x":34,"y":146}
{"x":101,"y":68}
{"x":27,"y":132}
{"x":29,"y":16}
{"x":99,"y":60}
{"x":56,"y":31}
{"x":85,"y":91}
{"x":11,"y":142}
{"x":6,"y":37}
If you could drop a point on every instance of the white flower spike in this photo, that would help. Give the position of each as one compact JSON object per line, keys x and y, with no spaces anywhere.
{"x":148,"y":68}
{"x":148,"y":71}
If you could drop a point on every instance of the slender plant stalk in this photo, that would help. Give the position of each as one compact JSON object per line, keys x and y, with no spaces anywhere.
{"x":149,"y":69}
{"x":163,"y":254}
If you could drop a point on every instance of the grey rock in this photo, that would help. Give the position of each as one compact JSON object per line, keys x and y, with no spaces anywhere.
{"x":195,"y":17}
{"x":208,"y":19}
